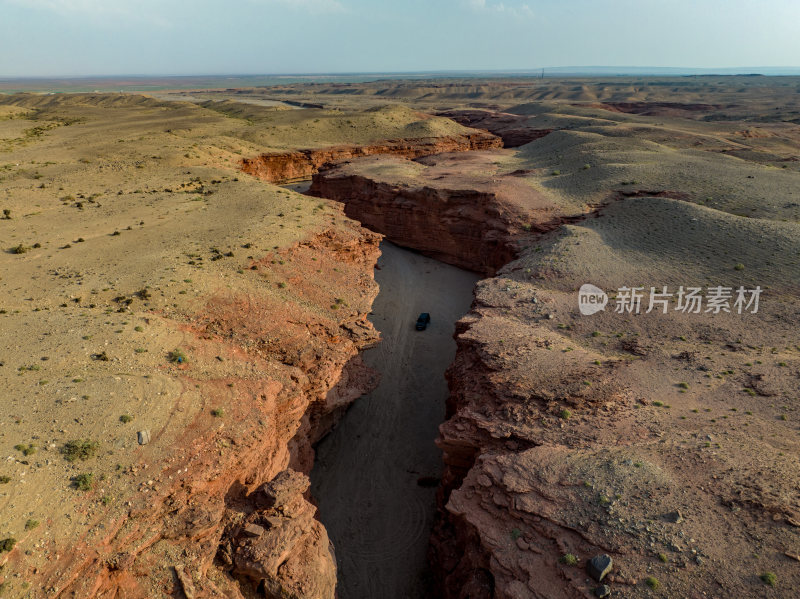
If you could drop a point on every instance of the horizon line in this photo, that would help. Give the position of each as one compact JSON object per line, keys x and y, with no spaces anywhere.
{"x":740,"y":70}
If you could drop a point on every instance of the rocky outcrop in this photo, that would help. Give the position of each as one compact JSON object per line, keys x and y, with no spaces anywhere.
{"x":507,"y":504}
{"x":286,"y":167}
{"x":280,"y":546}
{"x":513,"y":129}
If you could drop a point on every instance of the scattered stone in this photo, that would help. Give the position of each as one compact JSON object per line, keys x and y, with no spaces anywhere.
{"x":284,"y":488}
{"x":602,"y":591}
{"x":793,"y":556}
{"x":254,"y":530}
{"x":599,"y":566}
{"x":675,"y":517}
{"x":143,"y":437}
{"x":186,"y":582}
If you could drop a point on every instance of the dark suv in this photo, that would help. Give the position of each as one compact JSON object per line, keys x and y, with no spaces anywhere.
{"x":423,"y":321}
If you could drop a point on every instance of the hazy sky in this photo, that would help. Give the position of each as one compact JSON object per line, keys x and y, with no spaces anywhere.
{"x":111,"y":37}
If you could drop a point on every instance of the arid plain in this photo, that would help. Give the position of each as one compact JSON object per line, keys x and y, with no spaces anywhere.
{"x":181,"y":327}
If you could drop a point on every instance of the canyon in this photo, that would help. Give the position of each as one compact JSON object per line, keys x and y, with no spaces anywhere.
{"x":289,"y":167}
{"x":236,"y":332}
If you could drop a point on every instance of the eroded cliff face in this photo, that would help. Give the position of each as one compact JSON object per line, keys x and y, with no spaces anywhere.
{"x":286,"y":167}
{"x":224,"y":513}
{"x":437,"y":207}
{"x":460,"y":227}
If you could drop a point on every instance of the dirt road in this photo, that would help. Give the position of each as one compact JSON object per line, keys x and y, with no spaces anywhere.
{"x":367,"y":469}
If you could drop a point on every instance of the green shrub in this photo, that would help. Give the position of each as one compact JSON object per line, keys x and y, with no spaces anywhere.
{"x":569,"y":559}
{"x":769,"y":578}
{"x":83,"y":482}
{"x":26,"y":450}
{"x":80,"y":449}
{"x":176,"y":356}
{"x":652,"y":582}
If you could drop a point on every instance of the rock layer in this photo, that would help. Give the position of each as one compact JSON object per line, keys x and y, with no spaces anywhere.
{"x":286,"y":167}
{"x":434,"y":207}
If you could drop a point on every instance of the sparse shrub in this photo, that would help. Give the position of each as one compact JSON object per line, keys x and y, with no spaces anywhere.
{"x":31,"y":524}
{"x":564,"y":414}
{"x":663,"y":557}
{"x":138,"y":329}
{"x":556,"y":173}
{"x":569,"y":559}
{"x":652,"y":582}
{"x":83,"y":482}
{"x":176,"y":356}
{"x":7,"y":544}
{"x":125,"y":418}
{"x":26,"y":450}
{"x":739,"y":266}
{"x":79,"y":449}
{"x":6,"y":214}
{"x":4,"y":480}
{"x":769,"y":578}
{"x":516,"y":533}
{"x":218,"y":412}
{"x":20,"y":249}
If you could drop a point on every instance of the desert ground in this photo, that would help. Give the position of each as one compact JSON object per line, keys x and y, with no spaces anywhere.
{"x":186,"y":316}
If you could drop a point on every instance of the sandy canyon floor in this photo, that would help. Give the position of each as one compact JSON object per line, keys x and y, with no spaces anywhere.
{"x":180,"y":333}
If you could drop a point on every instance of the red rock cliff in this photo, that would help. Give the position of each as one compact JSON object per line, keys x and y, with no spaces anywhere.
{"x":223,"y":513}
{"x":285,"y":167}
{"x":476,"y":225}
